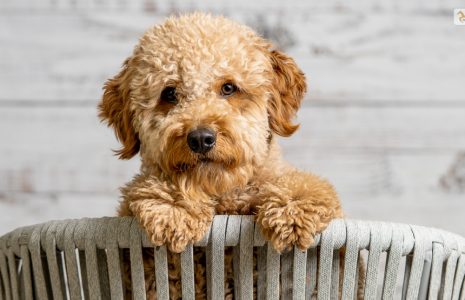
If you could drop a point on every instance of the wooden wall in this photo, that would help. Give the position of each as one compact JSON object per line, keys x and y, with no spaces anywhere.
{"x":384,"y":119}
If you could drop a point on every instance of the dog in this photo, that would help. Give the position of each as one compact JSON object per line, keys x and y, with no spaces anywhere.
{"x":203,"y":99}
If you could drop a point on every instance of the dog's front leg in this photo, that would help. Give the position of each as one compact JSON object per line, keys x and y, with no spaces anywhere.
{"x":295,"y":207}
{"x":170,"y":216}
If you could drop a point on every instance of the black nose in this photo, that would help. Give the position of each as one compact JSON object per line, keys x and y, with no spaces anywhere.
{"x":201,"y":140}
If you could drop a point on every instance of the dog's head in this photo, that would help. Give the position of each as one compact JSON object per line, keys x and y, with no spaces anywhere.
{"x":201,"y":98}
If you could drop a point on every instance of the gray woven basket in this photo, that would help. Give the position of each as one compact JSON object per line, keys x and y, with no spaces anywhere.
{"x":77,"y":259}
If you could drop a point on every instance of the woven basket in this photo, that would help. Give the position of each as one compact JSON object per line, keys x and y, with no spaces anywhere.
{"x":77,"y":259}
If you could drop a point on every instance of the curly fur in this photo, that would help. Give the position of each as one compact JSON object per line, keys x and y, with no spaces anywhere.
{"x":178,"y":192}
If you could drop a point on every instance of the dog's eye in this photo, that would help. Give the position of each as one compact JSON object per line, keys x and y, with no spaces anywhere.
{"x":228,"y":89}
{"x":169,"y":95}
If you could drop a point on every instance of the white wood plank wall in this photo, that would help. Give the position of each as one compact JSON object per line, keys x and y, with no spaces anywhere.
{"x":384,"y":119}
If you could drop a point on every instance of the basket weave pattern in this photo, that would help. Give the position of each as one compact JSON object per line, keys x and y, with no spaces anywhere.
{"x":73,"y":259}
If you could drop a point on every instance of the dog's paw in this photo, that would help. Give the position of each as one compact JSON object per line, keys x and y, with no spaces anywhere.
{"x":288,"y":219}
{"x":173,"y":227}
{"x":287,"y":226}
{"x":176,"y":230}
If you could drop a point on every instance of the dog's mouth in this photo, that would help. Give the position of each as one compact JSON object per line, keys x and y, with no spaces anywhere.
{"x":204,"y":161}
{"x":200,"y":160}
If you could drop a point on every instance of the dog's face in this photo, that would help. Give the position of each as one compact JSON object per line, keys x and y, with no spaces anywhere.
{"x":200,"y":98}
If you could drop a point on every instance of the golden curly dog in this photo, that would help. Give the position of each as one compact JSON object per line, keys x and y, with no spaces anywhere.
{"x":203,"y":99}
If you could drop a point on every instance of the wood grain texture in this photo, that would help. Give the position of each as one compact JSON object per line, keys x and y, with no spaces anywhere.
{"x":369,"y":50}
{"x":66,"y":149}
{"x":394,"y":157}
{"x":383,"y":121}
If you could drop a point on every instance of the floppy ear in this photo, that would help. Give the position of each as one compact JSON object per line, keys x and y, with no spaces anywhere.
{"x":288,"y":89}
{"x":114,"y":109}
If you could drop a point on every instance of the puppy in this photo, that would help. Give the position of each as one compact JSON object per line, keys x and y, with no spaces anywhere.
{"x":202,"y":99}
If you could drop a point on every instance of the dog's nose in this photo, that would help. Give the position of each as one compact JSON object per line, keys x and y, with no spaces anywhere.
{"x":201,"y":140}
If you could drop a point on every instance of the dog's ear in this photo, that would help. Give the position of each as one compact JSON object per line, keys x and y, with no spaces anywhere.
{"x":288,"y":89}
{"x":114,"y":109}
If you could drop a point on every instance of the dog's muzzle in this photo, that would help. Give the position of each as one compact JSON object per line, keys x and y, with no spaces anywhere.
{"x":201,"y":140}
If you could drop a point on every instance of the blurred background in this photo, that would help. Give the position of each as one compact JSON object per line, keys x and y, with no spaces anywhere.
{"x":384,"y":119}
